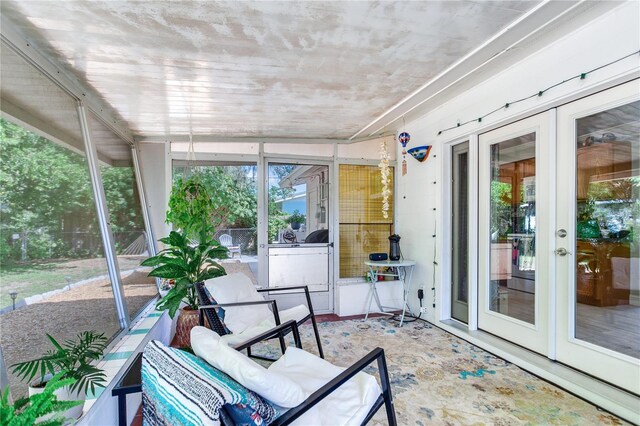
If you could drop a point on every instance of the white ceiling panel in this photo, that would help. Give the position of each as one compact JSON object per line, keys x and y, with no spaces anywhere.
{"x":249,"y":69}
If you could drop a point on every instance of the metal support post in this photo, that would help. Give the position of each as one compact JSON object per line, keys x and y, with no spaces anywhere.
{"x":103,"y":218}
{"x":151,"y":240}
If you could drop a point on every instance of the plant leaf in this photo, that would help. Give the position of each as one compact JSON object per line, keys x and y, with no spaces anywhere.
{"x":167,"y":271}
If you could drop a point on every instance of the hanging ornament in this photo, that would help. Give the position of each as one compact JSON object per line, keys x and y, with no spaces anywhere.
{"x":420,"y":153}
{"x":404,"y":139}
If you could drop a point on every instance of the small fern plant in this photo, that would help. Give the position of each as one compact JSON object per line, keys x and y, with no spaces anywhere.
{"x":26,"y":411}
{"x":72,"y":359}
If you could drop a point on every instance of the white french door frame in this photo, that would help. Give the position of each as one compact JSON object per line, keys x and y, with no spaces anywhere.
{"x":443,"y":308}
{"x":532,"y":336}
{"x":613,"y":367}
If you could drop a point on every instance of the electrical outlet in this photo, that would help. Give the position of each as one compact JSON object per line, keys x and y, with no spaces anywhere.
{"x":423,"y":310}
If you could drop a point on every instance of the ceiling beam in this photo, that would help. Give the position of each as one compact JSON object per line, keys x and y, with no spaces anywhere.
{"x":211,"y":138}
{"x":531,"y":22}
{"x":65,"y":80}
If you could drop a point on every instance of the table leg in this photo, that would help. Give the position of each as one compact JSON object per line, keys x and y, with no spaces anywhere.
{"x":406,"y":287}
{"x":369,"y":300}
{"x":377,"y":297}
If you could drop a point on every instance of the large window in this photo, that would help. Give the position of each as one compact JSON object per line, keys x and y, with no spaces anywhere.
{"x":52,"y":267}
{"x":363,"y":228}
{"x":234,"y":192}
{"x":130,"y":238}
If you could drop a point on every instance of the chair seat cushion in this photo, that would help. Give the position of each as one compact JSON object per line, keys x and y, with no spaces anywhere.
{"x":296,"y":313}
{"x":275,"y":387}
{"x":234,"y":288}
{"x":347,"y":405}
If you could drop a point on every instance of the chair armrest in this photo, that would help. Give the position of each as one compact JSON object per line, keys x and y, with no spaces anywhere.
{"x":227,"y":305}
{"x":339,"y":380}
{"x":276,"y":331}
{"x":299,"y":287}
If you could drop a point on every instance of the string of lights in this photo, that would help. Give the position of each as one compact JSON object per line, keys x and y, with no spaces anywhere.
{"x":580,"y":76}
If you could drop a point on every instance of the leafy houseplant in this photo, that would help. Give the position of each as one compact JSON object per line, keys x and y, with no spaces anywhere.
{"x":296,"y":219}
{"x":25,"y":411}
{"x":191,"y":209}
{"x":187,"y":265}
{"x":72,"y":358}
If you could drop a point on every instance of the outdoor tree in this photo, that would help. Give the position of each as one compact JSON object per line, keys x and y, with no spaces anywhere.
{"x":45,"y":191}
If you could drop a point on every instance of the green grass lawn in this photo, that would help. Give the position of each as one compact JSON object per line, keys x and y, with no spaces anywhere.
{"x":40,"y":277}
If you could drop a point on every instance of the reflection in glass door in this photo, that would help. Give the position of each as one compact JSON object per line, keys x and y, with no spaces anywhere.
{"x":600,"y":315}
{"x":513,"y":227}
{"x":513,"y":223}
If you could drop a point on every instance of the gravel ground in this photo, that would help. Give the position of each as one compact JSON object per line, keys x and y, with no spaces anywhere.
{"x":64,"y":315}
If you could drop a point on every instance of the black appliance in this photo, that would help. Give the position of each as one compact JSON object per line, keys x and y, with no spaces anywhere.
{"x":394,"y":247}
{"x":377,"y":257}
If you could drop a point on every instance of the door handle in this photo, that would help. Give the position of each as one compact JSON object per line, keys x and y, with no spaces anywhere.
{"x":561,"y":251}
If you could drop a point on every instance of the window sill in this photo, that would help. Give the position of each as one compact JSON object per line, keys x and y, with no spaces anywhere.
{"x":115,"y":361}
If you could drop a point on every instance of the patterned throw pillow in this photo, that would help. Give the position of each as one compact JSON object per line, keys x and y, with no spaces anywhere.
{"x":181,"y":389}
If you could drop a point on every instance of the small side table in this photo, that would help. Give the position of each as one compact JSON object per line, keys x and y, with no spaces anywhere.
{"x":404,"y":271}
{"x":130,"y":382}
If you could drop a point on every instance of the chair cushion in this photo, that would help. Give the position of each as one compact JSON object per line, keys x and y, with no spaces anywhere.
{"x":296,"y":313}
{"x":181,"y":389}
{"x":276,"y":388}
{"x":235,"y":339}
{"x":235,"y":288}
{"x":347,"y":405}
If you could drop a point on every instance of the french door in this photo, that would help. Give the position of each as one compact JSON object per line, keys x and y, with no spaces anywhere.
{"x":559,"y":234}
{"x":598,"y":235}
{"x":513,"y":234}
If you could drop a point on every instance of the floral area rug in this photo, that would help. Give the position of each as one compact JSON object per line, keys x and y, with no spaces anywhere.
{"x":439,"y":379}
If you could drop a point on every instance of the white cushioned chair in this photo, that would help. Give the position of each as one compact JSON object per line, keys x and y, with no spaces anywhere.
{"x":306,"y":389}
{"x":237,"y":311}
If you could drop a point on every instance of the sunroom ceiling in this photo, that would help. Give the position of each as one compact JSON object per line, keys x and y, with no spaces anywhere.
{"x":256,"y":69}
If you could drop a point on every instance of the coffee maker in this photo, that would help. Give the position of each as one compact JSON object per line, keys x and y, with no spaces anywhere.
{"x":394,"y":247}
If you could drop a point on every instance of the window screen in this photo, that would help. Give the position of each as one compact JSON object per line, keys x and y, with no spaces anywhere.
{"x":363,"y":228}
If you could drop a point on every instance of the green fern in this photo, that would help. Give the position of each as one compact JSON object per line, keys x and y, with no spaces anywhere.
{"x":72,"y":358}
{"x":25,"y":411}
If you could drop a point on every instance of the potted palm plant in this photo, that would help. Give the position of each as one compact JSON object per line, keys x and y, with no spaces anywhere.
{"x":70,"y":360}
{"x":186,"y":263}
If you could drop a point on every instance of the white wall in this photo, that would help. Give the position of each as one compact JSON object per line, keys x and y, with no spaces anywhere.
{"x":153,"y":164}
{"x":603,"y":40}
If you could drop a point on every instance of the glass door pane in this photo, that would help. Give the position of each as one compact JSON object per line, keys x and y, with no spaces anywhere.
{"x":513,"y":226}
{"x":607,"y":263}
{"x":460,"y":233}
